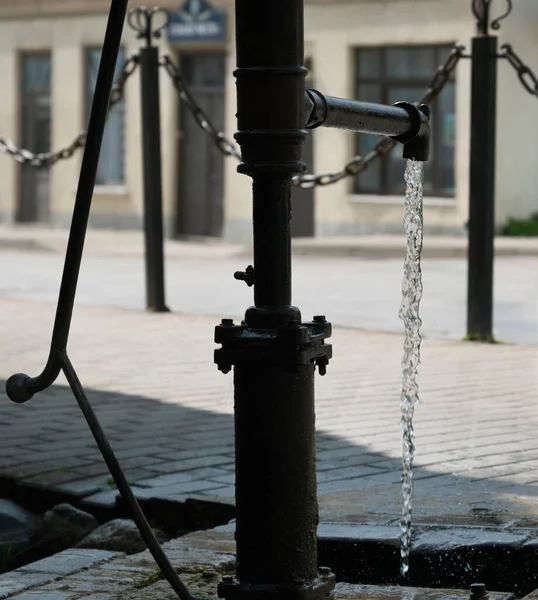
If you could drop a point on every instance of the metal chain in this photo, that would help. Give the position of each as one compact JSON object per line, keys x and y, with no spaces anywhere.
{"x":526,"y":76}
{"x":47,"y":159}
{"x":356,"y":165}
{"x":225,"y":146}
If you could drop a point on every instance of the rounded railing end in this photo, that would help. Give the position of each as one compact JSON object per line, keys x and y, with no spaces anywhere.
{"x":17,"y":389}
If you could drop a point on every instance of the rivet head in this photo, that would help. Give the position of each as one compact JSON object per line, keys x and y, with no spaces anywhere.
{"x":319,"y":319}
{"x":227,"y":322}
{"x":324,"y":572}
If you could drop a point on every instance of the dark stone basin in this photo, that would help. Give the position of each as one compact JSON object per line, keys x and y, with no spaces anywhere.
{"x":506,"y":560}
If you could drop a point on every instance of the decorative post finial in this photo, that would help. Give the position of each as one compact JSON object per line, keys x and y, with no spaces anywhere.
{"x":480,"y":10}
{"x":141,"y":20}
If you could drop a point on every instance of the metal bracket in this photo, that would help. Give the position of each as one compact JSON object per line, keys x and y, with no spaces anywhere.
{"x":319,"y":589}
{"x":293,"y":345}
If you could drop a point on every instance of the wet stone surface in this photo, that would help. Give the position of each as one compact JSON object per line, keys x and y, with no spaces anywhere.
{"x":364,"y":533}
{"x":351,"y":591}
{"x":203,"y":557}
{"x":438,"y":540}
{"x":440,"y":556}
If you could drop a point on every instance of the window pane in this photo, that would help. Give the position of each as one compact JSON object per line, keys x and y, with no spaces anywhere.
{"x":369,"y":92}
{"x":203,"y":69}
{"x":445,"y":139}
{"x":368,"y":181}
{"x":110,"y":169}
{"x":369,"y":64}
{"x":393,"y":74}
{"x":36,"y":86}
{"x":410,"y":63}
{"x":36,"y":73}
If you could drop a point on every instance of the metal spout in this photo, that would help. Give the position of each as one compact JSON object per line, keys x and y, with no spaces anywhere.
{"x":403,"y":122}
{"x":418,"y":147}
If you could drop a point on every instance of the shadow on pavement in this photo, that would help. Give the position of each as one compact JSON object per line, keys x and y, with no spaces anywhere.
{"x":171,"y":450}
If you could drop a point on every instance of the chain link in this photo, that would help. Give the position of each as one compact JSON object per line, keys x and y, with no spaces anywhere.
{"x":224,"y":145}
{"x":526,"y":76}
{"x":47,"y":159}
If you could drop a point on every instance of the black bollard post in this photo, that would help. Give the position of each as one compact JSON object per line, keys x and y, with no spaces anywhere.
{"x":141,"y":20}
{"x":482,"y":185}
{"x":273,"y":354}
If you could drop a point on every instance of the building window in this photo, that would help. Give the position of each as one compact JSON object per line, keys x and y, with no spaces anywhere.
{"x":388,"y":75}
{"x":111,"y":168}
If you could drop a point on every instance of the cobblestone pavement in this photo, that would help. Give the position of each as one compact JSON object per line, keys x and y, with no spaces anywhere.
{"x":168,"y":413}
{"x":204,"y":558}
{"x":351,"y":291}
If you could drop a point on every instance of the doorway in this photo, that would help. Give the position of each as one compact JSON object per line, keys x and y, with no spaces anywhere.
{"x":34,"y":190}
{"x":200,"y":200}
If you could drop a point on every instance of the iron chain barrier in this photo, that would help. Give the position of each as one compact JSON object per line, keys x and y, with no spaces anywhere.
{"x":355,"y":166}
{"x":525,"y":74}
{"x":225,"y":146}
{"x":47,"y":159}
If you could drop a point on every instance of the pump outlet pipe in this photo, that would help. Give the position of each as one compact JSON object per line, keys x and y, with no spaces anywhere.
{"x":404,"y":122}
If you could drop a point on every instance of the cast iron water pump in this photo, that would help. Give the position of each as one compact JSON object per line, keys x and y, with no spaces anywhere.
{"x":273,"y":352}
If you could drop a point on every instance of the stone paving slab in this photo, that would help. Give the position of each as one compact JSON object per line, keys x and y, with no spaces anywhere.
{"x":168,"y":414}
{"x":40,"y":579}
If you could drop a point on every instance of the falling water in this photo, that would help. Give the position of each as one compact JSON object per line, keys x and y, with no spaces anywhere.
{"x":409,"y":313}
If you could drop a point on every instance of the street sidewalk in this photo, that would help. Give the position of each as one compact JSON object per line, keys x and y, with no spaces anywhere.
{"x":393,"y":246}
{"x":102,"y":242}
{"x":168,"y":413}
{"x":113,"y":243}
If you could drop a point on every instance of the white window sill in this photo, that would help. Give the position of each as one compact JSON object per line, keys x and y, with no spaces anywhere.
{"x":110,"y":190}
{"x":398,"y":200}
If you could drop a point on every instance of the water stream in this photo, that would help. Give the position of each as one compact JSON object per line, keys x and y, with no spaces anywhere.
{"x":409,"y":313}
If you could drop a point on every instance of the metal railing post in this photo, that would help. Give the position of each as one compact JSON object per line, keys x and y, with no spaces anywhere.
{"x":141,"y":19}
{"x":481,"y":227}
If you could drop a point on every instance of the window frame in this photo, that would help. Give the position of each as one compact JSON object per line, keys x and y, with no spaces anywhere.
{"x":116,"y":186}
{"x":385,"y":83}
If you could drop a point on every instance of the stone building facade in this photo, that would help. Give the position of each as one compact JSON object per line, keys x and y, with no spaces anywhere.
{"x":374,"y":50}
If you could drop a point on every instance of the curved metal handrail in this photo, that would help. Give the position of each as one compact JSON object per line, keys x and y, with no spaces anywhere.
{"x":21,"y":387}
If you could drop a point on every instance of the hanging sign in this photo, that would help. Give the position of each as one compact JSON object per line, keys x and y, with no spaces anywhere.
{"x":197,"y":21}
